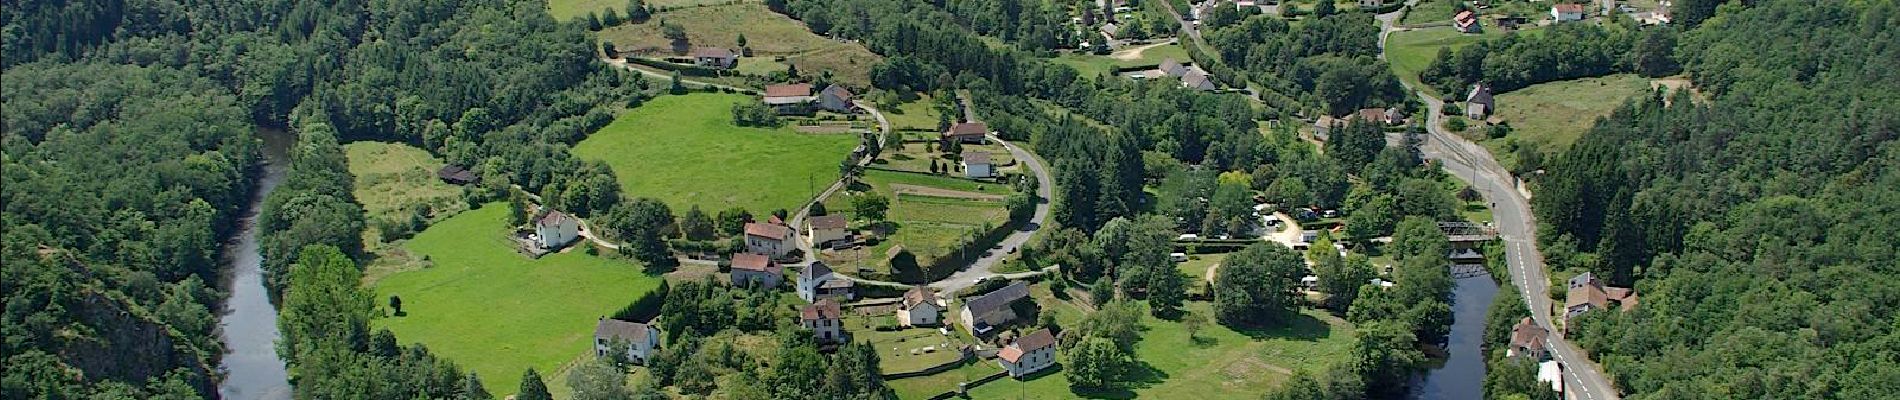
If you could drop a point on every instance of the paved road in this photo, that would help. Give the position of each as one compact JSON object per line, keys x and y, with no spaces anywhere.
{"x":1511,"y":213}
{"x":622,"y":62}
{"x":798,"y":219}
{"x":980,"y":270}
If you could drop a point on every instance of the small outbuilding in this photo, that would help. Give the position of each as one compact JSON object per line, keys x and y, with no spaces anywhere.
{"x":457,"y":175}
{"x":976,"y":165}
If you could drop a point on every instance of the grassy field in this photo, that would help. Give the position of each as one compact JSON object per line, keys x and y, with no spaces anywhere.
{"x":1092,"y":65}
{"x":1411,"y":51}
{"x":497,"y":312}
{"x":768,"y":34}
{"x":391,"y":177}
{"x":926,"y":226}
{"x":1219,"y":363}
{"x":684,"y":150}
{"x":920,"y":114}
{"x":565,"y":9}
{"x":1551,"y":116}
{"x":1197,"y":264}
{"x":894,"y":347}
{"x":1429,"y":11}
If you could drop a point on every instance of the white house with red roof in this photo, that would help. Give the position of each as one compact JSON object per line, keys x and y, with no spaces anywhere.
{"x":767,"y":238}
{"x":749,"y":269}
{"x":1028,"y":354}
{"x":1566,"y":12}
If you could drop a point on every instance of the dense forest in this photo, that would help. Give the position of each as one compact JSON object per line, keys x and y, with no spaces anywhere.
{"x":1328,"y":62}
{"x":1759,"y":223}
{"x":129,"y":153}
{"x":1560,"y":52}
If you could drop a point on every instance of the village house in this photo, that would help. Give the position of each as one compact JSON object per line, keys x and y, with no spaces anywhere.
{"x":1566,"y":12}
{"x":750,"y":269}
{"x":1198,"y":79}
{"x":1587,"y":294}
{"x":1479,"y":104}
{"x":920,"y":307}
{"x":556,"y":229}
{"x":456,"y":175}
{"x":641,"y":340}
{"x":967,"y":132}
{"x":819,"y":282}
{"x":835,"y":98}
{"x":1466,"y":22}
{"x":1381,"y":115}
{"x":714,"y":57}
{"x":1028,"y":354}
{"x":789,"y":99}
{"x":1527,"y":340}
{"x":976,"y":165}
{"x":821,"y":231}
{"x":1109,"y":31}
{"x":825,"y":319}
{"x":1173,"y":68}
{"x":767,"y":238}
{"x":1323,"y":127}
{"x":983,"y":314}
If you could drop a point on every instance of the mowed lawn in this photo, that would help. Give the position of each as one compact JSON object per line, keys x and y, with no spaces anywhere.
{"x":927,"y":226}
{"x":497,"y":312}
{"x":1220,"y":363}
{"x":1094,"y":65}
{"x":685,"y":150}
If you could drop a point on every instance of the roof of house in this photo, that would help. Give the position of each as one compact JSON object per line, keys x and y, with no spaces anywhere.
{"x":1172,"y":67}
{"x":712,"y":52}
{"x":754,"y":262}
{"x":788,"y":90}
{"x":815,"y":271}
{"x":455,"y":173}
{"x":1037,"y":340}
{"x":1568,"y":8}
{"x":976,"y":157}
{"x":1479,"y":94}
{"x":609,"y":328}
{"x":554,"y":218}
{"x":838,"y":91}
{"x":968,"y":129}
{"x":1591,"y":295}
{"x":833,"y":221}
{"x":1372,"y":114}
{"x":768,"y":231}
{"x":996,"y":300}
{"x":1528,"y":335}
{"x":918,"y":295}
{"x":1464,"y":16}
{"x":1110,"y":29}
{"x":1624,"y":296}
{"x":1196,"y":78}
{"x":822,"y":309}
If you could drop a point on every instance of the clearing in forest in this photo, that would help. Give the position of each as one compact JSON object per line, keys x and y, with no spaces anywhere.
{"x":770,"y":35}
{"x":685,"y":151}
{"x":1551,"y":116}
{"x":496,"y":312}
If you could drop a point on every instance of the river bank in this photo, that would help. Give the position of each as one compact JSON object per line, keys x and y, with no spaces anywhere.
{"x":250,"y":367}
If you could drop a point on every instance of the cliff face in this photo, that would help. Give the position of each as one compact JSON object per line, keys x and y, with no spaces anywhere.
{"x":127,"y":344}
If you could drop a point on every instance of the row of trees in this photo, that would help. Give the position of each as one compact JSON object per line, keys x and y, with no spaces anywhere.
{"x":1560,"y":52}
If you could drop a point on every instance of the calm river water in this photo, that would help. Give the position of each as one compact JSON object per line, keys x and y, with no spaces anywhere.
{"x":248,"y":325}
{"x":1462,"y":376}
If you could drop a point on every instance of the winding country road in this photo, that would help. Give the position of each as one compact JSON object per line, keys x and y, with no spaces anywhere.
{"x":1511,"y":213}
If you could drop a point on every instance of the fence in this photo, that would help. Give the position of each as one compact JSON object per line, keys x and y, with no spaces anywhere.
{"x":967,"y":386}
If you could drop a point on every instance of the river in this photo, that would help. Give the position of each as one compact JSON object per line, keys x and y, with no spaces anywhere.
{"x":1462,"y":375}
{"x":248,"y":323}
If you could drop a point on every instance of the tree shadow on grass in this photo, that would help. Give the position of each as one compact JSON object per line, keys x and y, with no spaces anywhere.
{"x":1141,"y":375}
{"x":1296,"y":327}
